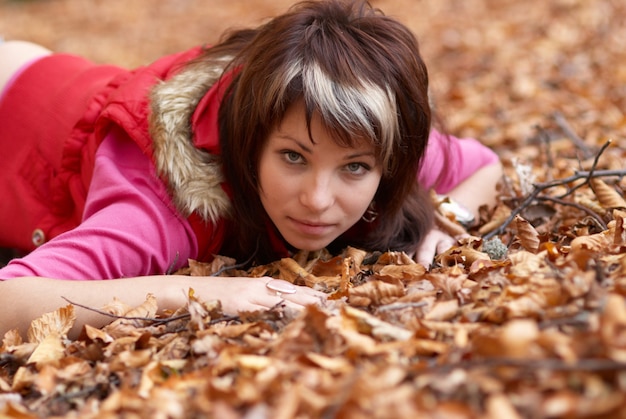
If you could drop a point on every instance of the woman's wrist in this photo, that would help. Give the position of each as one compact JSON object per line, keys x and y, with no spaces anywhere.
{"x":461,"y":213}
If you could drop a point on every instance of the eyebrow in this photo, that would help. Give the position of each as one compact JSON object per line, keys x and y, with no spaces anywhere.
{"x":310,"y":151}
{"x":300,"y":144}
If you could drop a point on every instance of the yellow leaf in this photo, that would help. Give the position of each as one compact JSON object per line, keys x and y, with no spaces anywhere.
{"x":49,"y":351}
{"x":59,"y":321}
{"x":607,"y":195}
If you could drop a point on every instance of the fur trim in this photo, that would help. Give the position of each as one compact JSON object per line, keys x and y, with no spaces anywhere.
{"x":193,"y":175}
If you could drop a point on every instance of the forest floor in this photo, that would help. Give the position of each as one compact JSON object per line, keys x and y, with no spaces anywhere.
{"x":537,"y":332}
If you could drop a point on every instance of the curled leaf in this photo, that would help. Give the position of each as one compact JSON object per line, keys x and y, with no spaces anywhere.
{"x":607,"y":195}
{"x":219,"y":263}
{"x":528,"y":236}
{"x":592,"y":205}
{"x":49,"y":351}
{"x":376,"y":292}
{"x":619,"y":232}
{"x":460,"y":255}
{"x":593,"y":242}
{"x":59,"y":322}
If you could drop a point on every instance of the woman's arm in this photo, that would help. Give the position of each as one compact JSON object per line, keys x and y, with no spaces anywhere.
{"x":25,"y":299}
{"x":476,"y":190}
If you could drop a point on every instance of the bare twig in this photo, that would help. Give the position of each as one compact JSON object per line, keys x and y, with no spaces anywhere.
{"x":563,"y":202}
{"x":590,"y":173}
{"x":237,"y":265}
{"x":540,"y":187}
{"x":547,"y":142}
{"x":148,"y":319}
{"x":569,"y":132}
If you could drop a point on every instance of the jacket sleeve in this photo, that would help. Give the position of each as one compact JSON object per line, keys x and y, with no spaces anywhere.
{"x":129,"y":227}
{"x":450,"y":160}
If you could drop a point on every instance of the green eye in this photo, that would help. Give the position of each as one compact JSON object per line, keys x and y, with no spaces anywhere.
{"x":355,"y":167}
{"x":292,"y":157}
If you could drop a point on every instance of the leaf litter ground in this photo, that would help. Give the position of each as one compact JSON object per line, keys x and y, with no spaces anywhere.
{"x":525,"y":318}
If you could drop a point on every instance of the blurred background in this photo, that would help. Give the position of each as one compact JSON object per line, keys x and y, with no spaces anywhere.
{"x":499,"y":68}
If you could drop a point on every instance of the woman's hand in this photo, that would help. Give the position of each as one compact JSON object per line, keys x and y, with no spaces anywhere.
{"x":246,"y":294}
{"x":435,"y":242}
{"x":478,"y":189}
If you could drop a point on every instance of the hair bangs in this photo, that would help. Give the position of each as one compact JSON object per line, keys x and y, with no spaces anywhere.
{"x":352,"y":113}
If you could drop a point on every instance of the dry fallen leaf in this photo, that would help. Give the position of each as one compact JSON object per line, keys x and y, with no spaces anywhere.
{"x":58,"y":322}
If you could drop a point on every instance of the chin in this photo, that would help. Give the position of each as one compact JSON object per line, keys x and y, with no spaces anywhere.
{"x":309,"y":246}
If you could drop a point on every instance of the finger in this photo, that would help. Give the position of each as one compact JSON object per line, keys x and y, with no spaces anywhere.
{"x":445,"y":244}
{"x":304,"y":299}
{"x":302,"y":296}
{"x":310,"y":291}
{"x":273,"y":301}
{"x":286,"y":288}
{"x":426,"y":253}
{"x":280,"y":290}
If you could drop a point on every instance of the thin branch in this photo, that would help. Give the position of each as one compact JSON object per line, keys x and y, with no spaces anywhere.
{"x":590,"y":173}
{"x":540,"y":187}
{"x":546,"y":140}
{"x":589,"y":212}
{"x":569,"y":132}
{"x":237,"y":265}
{"x":148,"y":319}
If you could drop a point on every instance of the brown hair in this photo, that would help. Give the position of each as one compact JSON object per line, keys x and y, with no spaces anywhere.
{"x":361,"y":71}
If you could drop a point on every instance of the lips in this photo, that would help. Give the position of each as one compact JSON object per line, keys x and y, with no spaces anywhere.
{"x":312,"y":228}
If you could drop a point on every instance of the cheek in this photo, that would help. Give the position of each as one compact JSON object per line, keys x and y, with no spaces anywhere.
{"x":273,"y":185}
{"x":359,"y":198}
{"x":265,"y":176}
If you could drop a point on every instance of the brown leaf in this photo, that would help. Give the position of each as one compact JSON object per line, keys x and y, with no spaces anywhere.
{"x":462,"y":255}
{"x":443,"y":310}
{"x":208,"y":269}
{"x":49,"y":351}
{"x":608,"y":197}
{"x":376,"y":292}
{"x":57,"y":322}
{"x":619,"y":229}
{"x":371,"y":325}
{"x":528,"y":236}
{"x":500,"y":214}
{"x":593,"y":243}
{"x":10,"y":339}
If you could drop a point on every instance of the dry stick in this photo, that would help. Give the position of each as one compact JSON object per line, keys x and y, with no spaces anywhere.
{"x":590,"y":173}
{"x":547,"y":142}
{"x":563,"y":202}
{"x":148,"y":319}
{"x":540,"y":187}
{"x":569,"y":132}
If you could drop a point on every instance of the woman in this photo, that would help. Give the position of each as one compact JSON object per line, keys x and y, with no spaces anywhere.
{"x":304,"y":133}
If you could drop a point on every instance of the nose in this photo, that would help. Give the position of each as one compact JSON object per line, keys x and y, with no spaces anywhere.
{"x":317,"y":192}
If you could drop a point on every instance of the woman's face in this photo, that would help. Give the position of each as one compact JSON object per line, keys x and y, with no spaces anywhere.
{"x":314,"y":192}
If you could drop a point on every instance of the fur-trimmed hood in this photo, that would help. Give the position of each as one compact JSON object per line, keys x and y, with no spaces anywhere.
{"x":193,"y":175}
